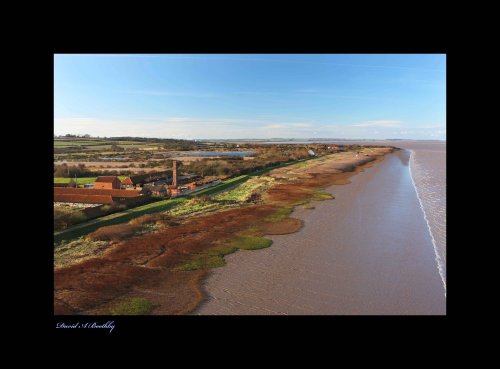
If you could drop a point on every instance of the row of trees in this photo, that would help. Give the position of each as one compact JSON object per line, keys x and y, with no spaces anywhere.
{"x":72,"y":171}
{"x":230,"y":167}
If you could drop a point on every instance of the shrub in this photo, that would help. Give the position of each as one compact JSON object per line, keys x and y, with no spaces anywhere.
{"x":114,"y":232}
{"x":77,"y":217}
{"x":133,"y":306}
{"x":64,"y":218}
{"x":150,"y":218}
{"x":105,"y":208}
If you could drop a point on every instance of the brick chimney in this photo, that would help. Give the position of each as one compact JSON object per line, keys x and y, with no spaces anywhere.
{"x":174,"y":173}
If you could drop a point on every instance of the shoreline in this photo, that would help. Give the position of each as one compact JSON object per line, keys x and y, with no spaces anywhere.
{"x":439,"y":262}
{"x":335,"y":266}
{"x":148,"y":266}
{"x":342,"y":179}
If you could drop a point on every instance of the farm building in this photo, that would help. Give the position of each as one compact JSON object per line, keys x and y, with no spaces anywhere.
{"x":127,"y":183}
{"x":84,"y":199}
{"x":107,"y":182}
{"x":92,"y":196}
{"x":156,"y":190}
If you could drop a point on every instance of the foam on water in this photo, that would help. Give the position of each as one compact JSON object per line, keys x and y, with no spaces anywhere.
{"x":431,"y":203}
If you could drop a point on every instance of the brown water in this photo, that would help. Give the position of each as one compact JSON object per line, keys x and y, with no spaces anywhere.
{"x":428,"y":169}
{"x":369,"y":251}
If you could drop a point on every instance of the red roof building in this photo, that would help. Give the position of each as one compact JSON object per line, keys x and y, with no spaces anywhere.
{"x":127,"y":182}
{"x":107,"y":182}
{"x":92,"y":195}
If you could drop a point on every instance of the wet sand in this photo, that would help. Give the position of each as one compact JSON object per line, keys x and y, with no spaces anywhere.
{"x":368,"y":251}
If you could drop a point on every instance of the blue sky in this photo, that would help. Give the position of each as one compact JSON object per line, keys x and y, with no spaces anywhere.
{"x":196,"y":96}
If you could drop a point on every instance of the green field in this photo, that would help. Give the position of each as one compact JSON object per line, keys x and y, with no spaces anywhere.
{"x":83,"y":180}
{"x":222,"y":186}
{"x":100,"y":144}
{"x":116,"y":218}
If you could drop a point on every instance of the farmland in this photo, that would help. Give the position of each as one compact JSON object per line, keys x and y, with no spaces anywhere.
{"x":82,"y":180}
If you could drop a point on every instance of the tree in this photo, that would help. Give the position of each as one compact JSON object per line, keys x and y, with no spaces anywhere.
{"x":115,"y":147}
{"x":61,"y":171}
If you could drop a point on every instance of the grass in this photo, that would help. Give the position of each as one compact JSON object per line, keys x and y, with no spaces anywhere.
{"x":191,"y":207}
{"x":222,"y":186}
{"x":268,"y":169}
{"x":307,"y":206}
{"x":237,"y":194}
{"x":116,"y":218}
{"x":100,"y":143}
{"x":214,"y":258}
{"x":245,"y":190}
{"x":76,"y":251}
{"x":320,"y":195}
{"x":280,"y":214}
{"x":302,"y":164}
{"x":250,"y":242}
{"x":134,"y":306}
{"x":83,"y":180}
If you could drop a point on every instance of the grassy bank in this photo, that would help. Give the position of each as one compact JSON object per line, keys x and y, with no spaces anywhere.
{"x":133,"y":306}
{"x":214,"y":257}
{"x":162,"y":205}
{"x":116,"y":218}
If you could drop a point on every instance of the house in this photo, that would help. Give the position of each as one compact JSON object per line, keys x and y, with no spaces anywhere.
{"x":127,"y":183}
{"x":107,"y":183}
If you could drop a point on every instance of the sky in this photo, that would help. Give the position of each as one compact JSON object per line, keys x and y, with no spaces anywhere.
{"x":231,"y":96}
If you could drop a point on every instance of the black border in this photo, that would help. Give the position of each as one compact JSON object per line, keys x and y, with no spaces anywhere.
{"x":43,"y":141}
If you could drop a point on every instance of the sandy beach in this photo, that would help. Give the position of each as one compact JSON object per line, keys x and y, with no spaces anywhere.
{"x":367,"y":252}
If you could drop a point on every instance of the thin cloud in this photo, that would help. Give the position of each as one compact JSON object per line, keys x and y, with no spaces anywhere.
{"x":379,"y":123}
{"x":275,"y":126}
{"x":237,"y":128}
{"x":169,"y":93}
{"x":178,"y":127}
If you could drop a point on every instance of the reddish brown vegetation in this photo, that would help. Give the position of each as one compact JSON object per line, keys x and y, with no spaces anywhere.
{"x":289,"y":225}
{"x":114,"y":232}
{"x":146,"y":266}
